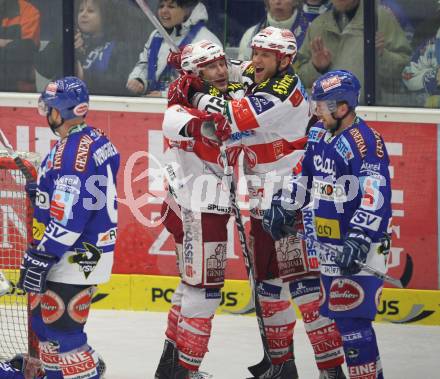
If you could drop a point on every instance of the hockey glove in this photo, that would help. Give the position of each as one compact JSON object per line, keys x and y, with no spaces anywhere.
{"x":210,"y":128}
{"x":31,"y":190}
{"x":356,"y":247}
{"x":222,"y":127}
{"x":183,"y":88}
{"x":174,"y":59}
{"x":34,"y":268}
{"x":30,"y":367}
{"x":279,"y":220}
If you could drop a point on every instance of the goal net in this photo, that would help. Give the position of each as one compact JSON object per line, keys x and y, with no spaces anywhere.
{"x":15,"y":233}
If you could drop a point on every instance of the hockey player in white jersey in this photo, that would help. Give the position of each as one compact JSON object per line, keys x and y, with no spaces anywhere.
{"x":269,"y":125}
{"x":74,"y":232}
{"x":200,"y":213}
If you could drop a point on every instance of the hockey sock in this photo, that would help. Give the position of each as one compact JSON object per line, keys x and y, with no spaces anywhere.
{"x":322,"y":332}
{"x":279,"y":319}
{"x":173,"y":317}
{"x":360,"y":347}
{"x":192,"y":341}
{"x":79,"y":363}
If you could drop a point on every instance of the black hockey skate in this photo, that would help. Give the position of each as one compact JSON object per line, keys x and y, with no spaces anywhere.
{"x":285,"y":370}
{"x":169,"y":367}
{"x":332,"y":373}
{"x":166,"y":364}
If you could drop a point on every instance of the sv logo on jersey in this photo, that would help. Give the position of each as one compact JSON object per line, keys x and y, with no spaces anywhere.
{"x":366,"y":220}
{"x":86,"y":258}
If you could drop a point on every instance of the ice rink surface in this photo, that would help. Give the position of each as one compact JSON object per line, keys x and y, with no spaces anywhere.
{"x":131,"y":344}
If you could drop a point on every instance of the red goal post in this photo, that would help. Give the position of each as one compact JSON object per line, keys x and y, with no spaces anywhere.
{"x":16,"y":215}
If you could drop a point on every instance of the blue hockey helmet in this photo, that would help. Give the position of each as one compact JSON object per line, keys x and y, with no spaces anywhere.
{"x":68,"y":95}
{"x":335,"y":87}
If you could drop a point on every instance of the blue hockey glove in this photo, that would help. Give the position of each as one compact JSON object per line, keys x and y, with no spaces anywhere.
{"x":30,"y":367}
{"x":34,"y":268}
{"x":279,"y":220}
{"x":356,"y":247}
{"x":31,"y":190}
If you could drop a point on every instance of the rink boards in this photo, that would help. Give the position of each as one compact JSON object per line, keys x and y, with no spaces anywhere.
{"x":153,"y":293}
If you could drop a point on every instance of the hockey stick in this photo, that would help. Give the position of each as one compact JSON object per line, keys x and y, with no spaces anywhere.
{"x":264,"y":365}
{"x":400,"y":283}
{"x":18,"y":161}
{"x":152,"y":17}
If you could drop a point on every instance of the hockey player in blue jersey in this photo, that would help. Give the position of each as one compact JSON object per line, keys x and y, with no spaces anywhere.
{"x":21,"y":367}
{"x":344,"y":192}
{"x":74,"y":232}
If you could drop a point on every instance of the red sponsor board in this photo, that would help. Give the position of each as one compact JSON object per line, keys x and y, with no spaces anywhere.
{"x":145,"y":249}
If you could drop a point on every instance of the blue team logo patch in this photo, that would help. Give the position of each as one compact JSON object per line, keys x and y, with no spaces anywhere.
{"x":344,"y":149}
{"x":260,"y":104}
{"x":315,"y":134}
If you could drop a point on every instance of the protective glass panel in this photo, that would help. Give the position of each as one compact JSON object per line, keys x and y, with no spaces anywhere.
{"x":408,"y":53}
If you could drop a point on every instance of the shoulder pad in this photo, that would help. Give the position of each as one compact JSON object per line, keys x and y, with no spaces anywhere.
{"x":280,"y":87}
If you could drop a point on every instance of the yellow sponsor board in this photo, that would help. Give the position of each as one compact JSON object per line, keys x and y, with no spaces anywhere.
{"x":327,"y":227}
{"x":153,"y":293}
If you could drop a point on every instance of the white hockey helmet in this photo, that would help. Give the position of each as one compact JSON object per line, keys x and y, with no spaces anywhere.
{"x":199,"y":54}
{"x":281,"y":41}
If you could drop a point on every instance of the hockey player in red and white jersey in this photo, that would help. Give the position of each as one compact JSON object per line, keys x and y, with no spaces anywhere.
{"x":270,"y":124}
{"x":200,"y":213}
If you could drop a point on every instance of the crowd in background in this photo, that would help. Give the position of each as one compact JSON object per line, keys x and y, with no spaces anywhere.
{"x":117,"y":51}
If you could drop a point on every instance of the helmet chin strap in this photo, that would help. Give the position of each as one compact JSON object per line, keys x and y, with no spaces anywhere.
{"x":53,"y":125}
{"x":339,"y":120}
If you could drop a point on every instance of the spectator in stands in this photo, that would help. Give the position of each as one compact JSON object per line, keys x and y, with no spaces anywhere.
{"x":19,"y":40}
{"x":422,"y":75}
{"x":103,"y":58}
{"x":313,"y":8}
{"x":335,"y":40}
{"x":283,"y":14}
{"x":184,"y":20}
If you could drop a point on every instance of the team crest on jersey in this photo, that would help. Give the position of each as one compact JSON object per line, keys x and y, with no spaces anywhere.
{"x":343,"y":148}
{"x":86,"y":258}
{"x":213,"y":91}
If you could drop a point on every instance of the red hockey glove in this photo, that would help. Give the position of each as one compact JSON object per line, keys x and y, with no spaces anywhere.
{"x":183,"y":88}
{"x":210,"y":128}
{"x":174,"y":59}
{"x":222,"y":128}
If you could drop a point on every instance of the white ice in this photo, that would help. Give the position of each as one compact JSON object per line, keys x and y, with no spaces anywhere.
{"x":131,"y":344}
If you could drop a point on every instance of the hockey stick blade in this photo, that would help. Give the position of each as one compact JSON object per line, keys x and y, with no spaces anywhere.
{"x":378,"y":274}
{"x":18,"y":161}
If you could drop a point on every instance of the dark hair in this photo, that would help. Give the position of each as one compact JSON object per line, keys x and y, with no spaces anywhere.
{"x":110,"y":20}
{"x":184,"y":3}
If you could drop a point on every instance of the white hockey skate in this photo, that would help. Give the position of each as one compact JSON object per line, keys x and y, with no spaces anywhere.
{"x":332,"y":373}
